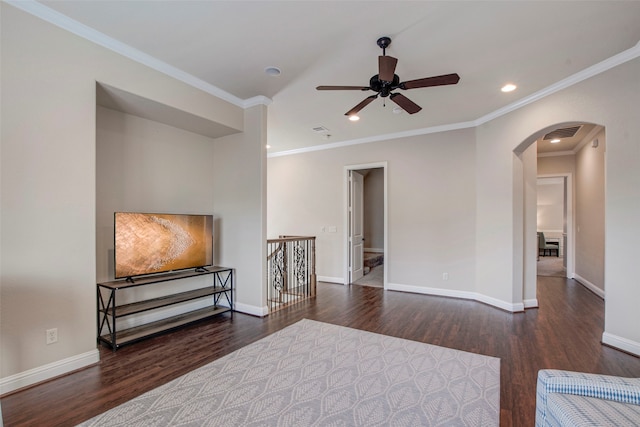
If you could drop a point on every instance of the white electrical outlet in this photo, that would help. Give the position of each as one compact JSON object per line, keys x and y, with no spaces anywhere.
{"x":52,"y":335}
{"x":445,"y":276}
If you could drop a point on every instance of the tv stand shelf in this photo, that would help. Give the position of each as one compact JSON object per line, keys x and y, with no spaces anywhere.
{"x":108,"y":311}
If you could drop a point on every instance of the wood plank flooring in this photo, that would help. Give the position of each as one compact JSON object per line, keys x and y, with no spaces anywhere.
{"x":564,"y":333}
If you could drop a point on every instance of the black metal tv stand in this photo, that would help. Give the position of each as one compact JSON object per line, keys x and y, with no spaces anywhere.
{"x":108,"y":310}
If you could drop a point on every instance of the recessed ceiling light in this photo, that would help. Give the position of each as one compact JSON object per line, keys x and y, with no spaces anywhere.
{"x":509,"y":87}
{"x":268,"y":146}
{"x":555,"y":140}
{"x":397,"y":110}
{"x":354,"y":118}
{"x":272,"y":71}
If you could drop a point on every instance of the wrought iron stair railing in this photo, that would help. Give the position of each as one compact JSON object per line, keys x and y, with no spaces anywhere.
{"x":291,"y":271}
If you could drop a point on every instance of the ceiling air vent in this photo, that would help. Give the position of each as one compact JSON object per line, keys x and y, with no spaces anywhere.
{"x":562,"y":133}
{"x":321,"y":130}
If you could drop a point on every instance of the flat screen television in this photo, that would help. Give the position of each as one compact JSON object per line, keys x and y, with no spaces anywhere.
{"x":147,"y":243}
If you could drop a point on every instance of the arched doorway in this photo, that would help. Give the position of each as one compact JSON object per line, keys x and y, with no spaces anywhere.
{"x":581,"y":162}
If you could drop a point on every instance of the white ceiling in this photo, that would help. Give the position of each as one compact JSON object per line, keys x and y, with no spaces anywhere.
{"x":228,"y":44}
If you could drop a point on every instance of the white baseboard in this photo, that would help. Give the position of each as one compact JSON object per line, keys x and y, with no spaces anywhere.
{"x":374,"y":250}
{"x":338,"y":280}
{"x":511,"y":307}
{"x":47,"y":372}
{"x":621,"y":343}
{"x":587,"y":284}
{"x":251,"y":309}
{"x":531,"y":303}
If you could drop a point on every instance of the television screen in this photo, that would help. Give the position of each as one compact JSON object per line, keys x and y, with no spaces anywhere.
{"x":148,"y":243}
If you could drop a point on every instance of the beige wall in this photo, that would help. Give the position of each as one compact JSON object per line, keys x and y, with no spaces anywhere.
{"x":557,"y":165}
{"x":240,"y":197}
{"x":550,"y":205}
{"x":590,"y":212}
{"x":48,"y":171}
{"x":146,"y":166}
{"x":430,"y":206}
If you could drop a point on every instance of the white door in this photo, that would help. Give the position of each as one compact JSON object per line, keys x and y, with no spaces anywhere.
{"x":355,"y":225}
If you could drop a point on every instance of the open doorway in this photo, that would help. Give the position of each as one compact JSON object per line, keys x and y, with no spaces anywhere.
{"x":366,"y":225}
{"x":552,"y":202}
{"x":576,"y":162}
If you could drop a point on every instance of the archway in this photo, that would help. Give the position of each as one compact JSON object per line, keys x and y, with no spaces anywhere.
{"x":583,"y":169}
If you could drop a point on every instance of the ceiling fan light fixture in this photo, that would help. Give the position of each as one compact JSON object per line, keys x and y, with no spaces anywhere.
{"x":509,"y":87}
{"x":354,"y":117}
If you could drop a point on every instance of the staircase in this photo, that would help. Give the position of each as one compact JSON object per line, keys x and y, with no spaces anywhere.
{"x":291,"y":271}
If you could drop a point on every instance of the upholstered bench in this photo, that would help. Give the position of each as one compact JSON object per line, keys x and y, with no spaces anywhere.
{"x":565,"y":398}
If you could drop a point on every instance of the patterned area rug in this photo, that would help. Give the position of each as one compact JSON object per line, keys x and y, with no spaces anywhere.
{"x":317,"y":374}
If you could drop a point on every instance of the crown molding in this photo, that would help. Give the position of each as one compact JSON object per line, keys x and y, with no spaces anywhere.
{"x":377,"y":138}
{"x":256,"y":100}
{"x":47,"y":14}
{"x":588,"y":72}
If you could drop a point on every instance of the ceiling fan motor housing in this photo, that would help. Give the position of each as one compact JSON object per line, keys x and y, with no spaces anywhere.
{"x":382,"y":87}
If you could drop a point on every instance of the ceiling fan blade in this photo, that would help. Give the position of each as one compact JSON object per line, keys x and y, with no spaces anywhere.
{"x":368,"y":100}
{"x":342,"y":88}
{"x":407,"y":105}
{"x":386,"y":68}
{"x":446,"y":79}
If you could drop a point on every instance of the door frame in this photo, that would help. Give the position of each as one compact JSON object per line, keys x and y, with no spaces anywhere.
{"x":345,"y":222}
{"x":570,"y":244}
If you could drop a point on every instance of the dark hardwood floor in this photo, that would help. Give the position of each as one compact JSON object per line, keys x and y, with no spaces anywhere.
{"x":564,"y":333}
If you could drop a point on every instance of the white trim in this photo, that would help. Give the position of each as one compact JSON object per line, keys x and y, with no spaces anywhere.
{"x":587,"y":284}
{"x":385,"y":137}
{"x":251,"y":309}
{"x":530,"y":303}
{"x":588,"y":72}
{"x":328,"y":279}
{"x":621,"y":343}
{"x":256,"y":100}
{"x":47,"y":14}
{"x":511,"y":307}
{"x":374,"y":250}
{"x":49,"y":371}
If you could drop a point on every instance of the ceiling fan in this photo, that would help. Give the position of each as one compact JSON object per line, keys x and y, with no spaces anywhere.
{"x":387,"y":81}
